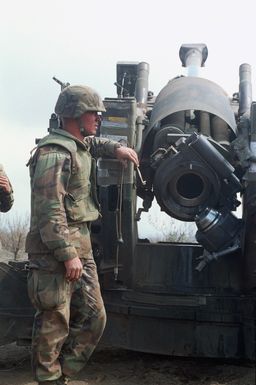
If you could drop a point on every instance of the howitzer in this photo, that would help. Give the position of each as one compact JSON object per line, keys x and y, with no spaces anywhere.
{"x":197,"y":157}
{"x":196,"y":160}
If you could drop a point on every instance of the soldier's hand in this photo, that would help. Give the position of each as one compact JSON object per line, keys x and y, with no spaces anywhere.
{"x":74,"y":269}
{"x":125,"y":153}
{"x":5,"y":184}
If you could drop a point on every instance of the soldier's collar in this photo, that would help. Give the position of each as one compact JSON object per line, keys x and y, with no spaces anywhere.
{"x":65,"y":133}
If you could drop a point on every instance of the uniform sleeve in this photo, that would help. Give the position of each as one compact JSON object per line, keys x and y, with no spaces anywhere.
{"x":48,"y":187}
{"x":102,"y":147}
{"x":6,"y":198}
{"x":6,"y":201}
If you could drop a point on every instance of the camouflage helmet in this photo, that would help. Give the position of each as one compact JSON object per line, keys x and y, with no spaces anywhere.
{"x":74,"y":101}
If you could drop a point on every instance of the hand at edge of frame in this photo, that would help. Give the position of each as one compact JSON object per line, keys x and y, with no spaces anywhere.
{"x":5,"y":184}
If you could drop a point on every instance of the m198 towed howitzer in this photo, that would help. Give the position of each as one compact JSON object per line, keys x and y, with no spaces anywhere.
{"x":197,"y":154}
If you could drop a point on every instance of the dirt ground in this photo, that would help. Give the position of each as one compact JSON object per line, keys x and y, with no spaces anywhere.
{"x":120,"y":367}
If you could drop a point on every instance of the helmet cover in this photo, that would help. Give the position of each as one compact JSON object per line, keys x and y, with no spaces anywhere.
{"x":74,"y":101}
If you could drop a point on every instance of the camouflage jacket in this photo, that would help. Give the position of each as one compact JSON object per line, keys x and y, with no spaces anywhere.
{"x":63,"y":191}
{"x":6,"y":199}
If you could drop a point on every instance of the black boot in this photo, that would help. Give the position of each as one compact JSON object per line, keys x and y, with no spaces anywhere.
{"x":63,"y":380}
{"x":47,"y":382}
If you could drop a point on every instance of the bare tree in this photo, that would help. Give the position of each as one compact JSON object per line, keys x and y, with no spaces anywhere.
{"x":13,"y":231}
{"x":172,"y":230}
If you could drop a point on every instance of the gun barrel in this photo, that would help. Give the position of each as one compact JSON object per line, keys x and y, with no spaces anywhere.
{"x":245,"y":88}
{"x":141,"y":88}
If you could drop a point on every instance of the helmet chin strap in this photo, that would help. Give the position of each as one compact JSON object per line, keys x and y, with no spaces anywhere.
{"x":82,"y":128}
{"x":83,"y":131}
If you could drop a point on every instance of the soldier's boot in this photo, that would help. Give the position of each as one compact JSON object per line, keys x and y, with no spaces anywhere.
{"x":47,"y":383}
{"x":63,"y":380}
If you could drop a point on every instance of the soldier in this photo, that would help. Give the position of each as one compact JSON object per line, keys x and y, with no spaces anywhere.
{"x":6,"y":193}
{"x":63,"y":283}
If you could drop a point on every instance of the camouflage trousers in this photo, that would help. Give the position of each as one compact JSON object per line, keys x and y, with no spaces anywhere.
{"x":69,"y":321}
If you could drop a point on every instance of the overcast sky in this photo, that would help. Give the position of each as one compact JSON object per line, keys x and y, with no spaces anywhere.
{"x":80,"y":41}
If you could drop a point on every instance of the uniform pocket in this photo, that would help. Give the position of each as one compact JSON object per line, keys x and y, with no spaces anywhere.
{"x":47,"y":291}
{"x":75,"y":206}
{"x":80,"y":207}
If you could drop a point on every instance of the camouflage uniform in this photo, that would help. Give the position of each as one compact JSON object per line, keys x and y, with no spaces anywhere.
{"x":6,"y":199}
{"x":70,"y":316}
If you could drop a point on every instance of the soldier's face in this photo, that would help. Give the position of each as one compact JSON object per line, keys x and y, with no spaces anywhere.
{"x":91,"y":121}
